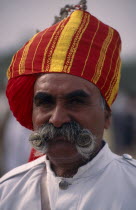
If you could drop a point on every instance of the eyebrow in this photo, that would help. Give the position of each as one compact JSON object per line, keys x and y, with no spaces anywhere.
{"x":48,"y":96}
{"x":43,"y":96}
{"x":77,"y":93}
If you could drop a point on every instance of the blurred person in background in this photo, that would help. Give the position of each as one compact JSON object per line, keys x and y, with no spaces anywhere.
{"x":12,"y":152}
{"x":16,"y":148}
{"x":4,"y":114}
{"x":61,"y":85}
{"x":124,"y":123}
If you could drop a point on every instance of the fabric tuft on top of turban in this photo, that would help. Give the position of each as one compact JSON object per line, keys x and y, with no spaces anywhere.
{"x":79,"y":45}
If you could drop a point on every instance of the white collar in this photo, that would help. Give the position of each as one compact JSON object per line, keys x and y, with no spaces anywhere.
{"x":98,"y":163}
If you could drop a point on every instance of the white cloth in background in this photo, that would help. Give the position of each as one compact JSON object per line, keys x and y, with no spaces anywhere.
{"x":108,"y":182}
{"x":16,"y":144}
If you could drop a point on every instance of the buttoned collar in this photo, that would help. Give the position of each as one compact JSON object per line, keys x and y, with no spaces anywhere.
{"x":98,"y":163}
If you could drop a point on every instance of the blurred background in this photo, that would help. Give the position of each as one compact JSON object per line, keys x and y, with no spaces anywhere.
{"x":19,"y":21}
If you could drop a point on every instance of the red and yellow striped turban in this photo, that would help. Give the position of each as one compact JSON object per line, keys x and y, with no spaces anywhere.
{"x":80,"y":45}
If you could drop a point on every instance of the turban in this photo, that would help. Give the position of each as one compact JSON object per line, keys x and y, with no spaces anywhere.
{"x":79,"y":45}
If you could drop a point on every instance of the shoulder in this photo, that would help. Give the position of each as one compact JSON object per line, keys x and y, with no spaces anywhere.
{"x":125,"y":165}
{"x":129,"y":159}
{"x":120,"y":161}
{"x":126,"y":160}
{"x":23,"y":169}
{"x":21,"y":182}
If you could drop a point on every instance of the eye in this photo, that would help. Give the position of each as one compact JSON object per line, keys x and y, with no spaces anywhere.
{"x":76,"y":101}
{"x":43,"y":100}
{"x":43,"y":103}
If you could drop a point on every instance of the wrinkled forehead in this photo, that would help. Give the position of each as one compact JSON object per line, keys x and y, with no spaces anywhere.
{"x":63,"y":83}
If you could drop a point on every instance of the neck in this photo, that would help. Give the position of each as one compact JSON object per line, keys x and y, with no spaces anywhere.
{"x":67,"y":171}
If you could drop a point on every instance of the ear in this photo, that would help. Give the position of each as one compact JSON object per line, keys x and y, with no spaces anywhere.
{"x":107,"y":114}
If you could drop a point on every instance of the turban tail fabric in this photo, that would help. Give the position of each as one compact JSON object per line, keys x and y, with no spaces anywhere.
{"x":79,"y":45}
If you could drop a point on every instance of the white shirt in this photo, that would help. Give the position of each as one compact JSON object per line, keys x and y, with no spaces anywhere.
{"x":108,"y":182}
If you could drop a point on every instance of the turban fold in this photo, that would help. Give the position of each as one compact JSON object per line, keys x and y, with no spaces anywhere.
{"x":79,"y":45}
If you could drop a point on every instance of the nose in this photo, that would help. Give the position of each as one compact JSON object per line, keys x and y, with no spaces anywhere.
{"x":59,"y":116}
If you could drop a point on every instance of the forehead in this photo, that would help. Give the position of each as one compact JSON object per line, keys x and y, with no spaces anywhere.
{"x":59,"y":83}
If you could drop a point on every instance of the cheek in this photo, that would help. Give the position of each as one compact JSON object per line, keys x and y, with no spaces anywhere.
{"x":34,"y":118}
{"x":94,"y":121}
{"x":38,"y":118}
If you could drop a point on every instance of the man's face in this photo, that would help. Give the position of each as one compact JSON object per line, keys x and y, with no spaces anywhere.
{"x":61,"y":98}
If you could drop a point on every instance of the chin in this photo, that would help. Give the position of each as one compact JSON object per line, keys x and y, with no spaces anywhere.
{"x":63,"y":153}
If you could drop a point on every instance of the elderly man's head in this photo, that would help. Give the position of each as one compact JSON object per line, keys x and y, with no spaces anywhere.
{"x":68,"y":111}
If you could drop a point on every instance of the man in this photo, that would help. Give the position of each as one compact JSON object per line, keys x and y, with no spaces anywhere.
{"x":61,"y":85}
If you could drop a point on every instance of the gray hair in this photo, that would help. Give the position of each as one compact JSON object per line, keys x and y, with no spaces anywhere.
{"x":104,"y":104}
{"x":83,"y":139}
